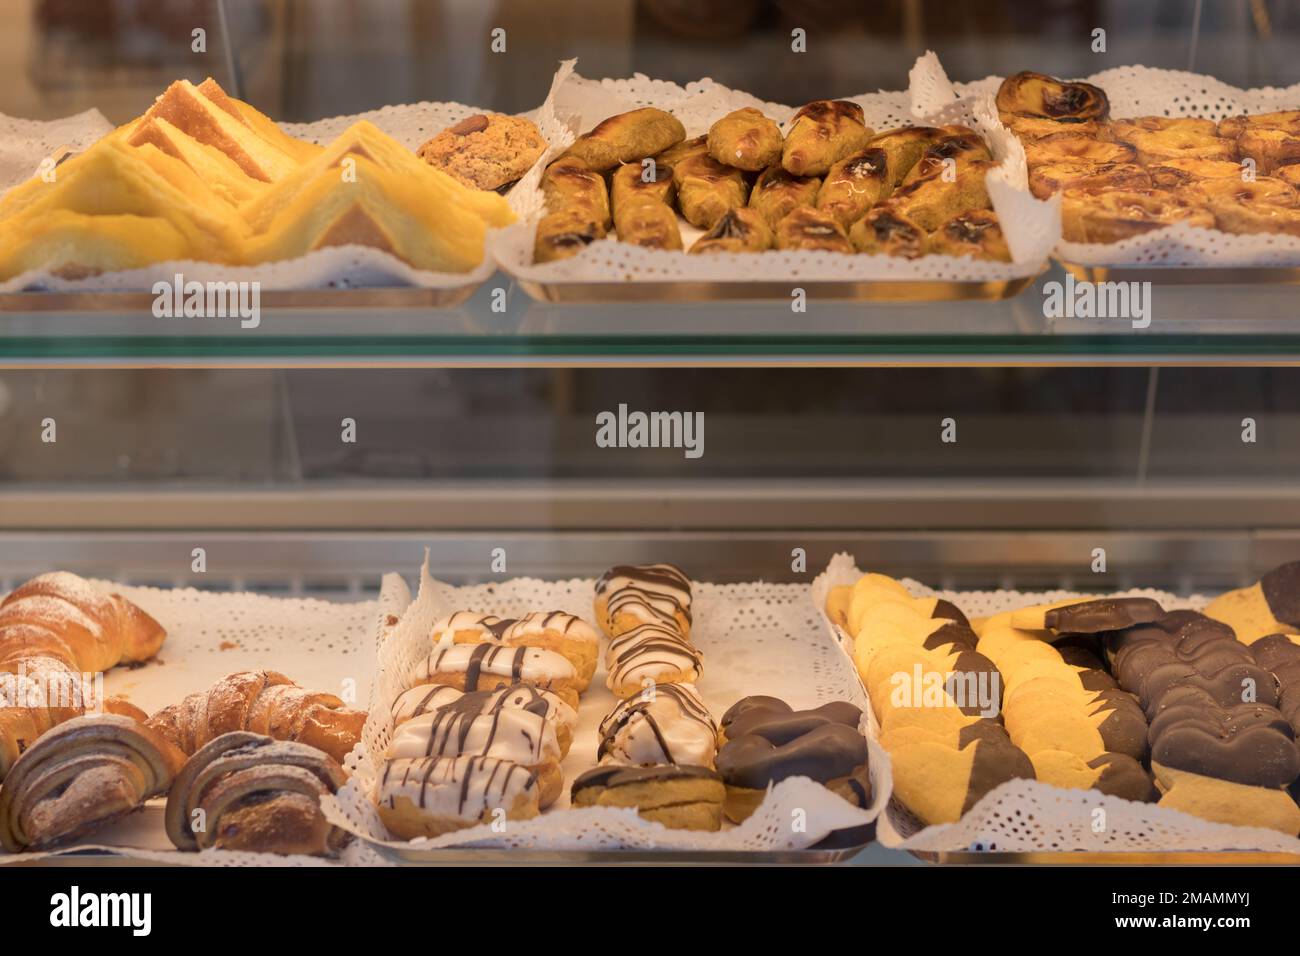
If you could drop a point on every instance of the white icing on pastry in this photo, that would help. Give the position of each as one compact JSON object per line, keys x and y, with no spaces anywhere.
{"x":569,"y":626}
{"x":647,"y":592}
{"x":464,"y":787}
{"x":648,"y":652}
{"x":487,"y":627}
{"x":428,"y":698}
{"x":668,"y":724}
{"x":495,"y":660}
{"x":509,"y":734}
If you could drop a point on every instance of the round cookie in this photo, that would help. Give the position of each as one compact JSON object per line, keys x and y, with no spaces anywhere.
{"x":486,"y":151}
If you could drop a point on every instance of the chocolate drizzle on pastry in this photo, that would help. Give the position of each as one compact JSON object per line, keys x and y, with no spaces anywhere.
{"x":648,"y":592}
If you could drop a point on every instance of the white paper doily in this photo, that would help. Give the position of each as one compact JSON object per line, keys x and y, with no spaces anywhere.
{"x":1023,"y":816}
{"x":321,"y":645}
{"x":756,"y":639}
{"x":25,"y":143}
{"x":1147,"y":91}
{"x":1032,"y":227}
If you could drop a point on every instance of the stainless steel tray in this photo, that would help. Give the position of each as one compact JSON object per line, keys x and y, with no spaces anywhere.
{"x":866,"y":291}
{"x":378,"y":297}
{"x":1244,"y":275}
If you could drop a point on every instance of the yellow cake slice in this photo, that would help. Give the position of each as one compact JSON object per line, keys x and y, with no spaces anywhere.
{"x":74,"y":245}
{"x":263,"y":125}
{"x":214,"y":167}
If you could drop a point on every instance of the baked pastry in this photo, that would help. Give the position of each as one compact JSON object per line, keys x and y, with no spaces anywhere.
{"x":940,"y":783}
{"x":1261,"y":205}
{"x":473,"y":667}
{"x":935,"y":198}
{"x":83,"y":774}
{"x":432,"y":698}
{"x":707,"y":190}
{"x":1048,"y":178}
{"x":635,"y":183}
{"x":854,"y":185}
{"x":486,"y":150}
{"x":886,"y":231}
{"x":955,"y":145}
{"x":1269,"y":606}
{"x":1111,"y":216}
{"x":628,"y":137}
{"x":1270,"y":148}
{"x":510,"y":734}
{"x":651,"y":225}
{"x":809,"y":228}
{"x":776,"y":193}
{"x":679,"y":797}
{"x":248,"y":792}
{"x":666,"y":724}
{"x":428,"y":797}
{"x":54,"y":629}
{"x":670,"y":157}
{"x":903,"y":148}
{"x":263,"y":702}
{"x":1074,"y":148}
{"x":977,"y":234}
{"x":821,"y":134}
{"x":565,"y":634}
{"x":739,"y":230}
{"x":1030,"y":128}
{"x":745,"y":139}
{"x":1173,"y":173}
{"x":767,"y":741}
{"x":650,"y":654}
{"x":1037,"y":94}
{"x":564,"y":234}
{"x":631,"y":595}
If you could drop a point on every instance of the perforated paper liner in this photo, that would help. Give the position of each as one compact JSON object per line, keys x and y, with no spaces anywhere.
{"x":322,"y":645}
{"x":756,"y":639}
{"x":1026,"y":816}
{"x":25,"y":143}
{"x":1147,"y":91}
{"x":1032,"y":227}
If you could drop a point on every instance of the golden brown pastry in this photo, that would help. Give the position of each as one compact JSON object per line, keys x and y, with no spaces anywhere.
{"x":1271,"y":149}
{"x":854,"y":185}
{"x":643,"y":215}
{"x":1159,"y":138}
{"x":431,"y":796}
{"x":776,"y":193}
{"x":1172,"y":173}
{"x":54,"y":629}
{"x":1050,"y":178}
{"x":1289,"y":174}
{"x":1030,"y":128}
{"x":569,"y":183}
{"x":1077,"y":149}
{"x":809,"y":228}
{"x":628,"y":137}
{"x":934,"y":200}
{"x":745,"y":139}
{"x":1037,"y":94}
{"x":563,"y":234}
{"x":739,"y":230}
{"x":886,"y":231}
{"x":630,"y":595}
{"x":486,"y":151}
{"x":822,"y":133}
{"x":681,"y":798}
{"x":1112,"y":216}
{"x":244,"y":791}
{"x":706,"y":189}
{"x":675,"y":154}
{"x":264,"y":702}
{"x":83,"y":774}
{"x":903,"y":148}
{"x":1261,"y":205}
{"x":1233,"y":126}
{"x":976,"y":233}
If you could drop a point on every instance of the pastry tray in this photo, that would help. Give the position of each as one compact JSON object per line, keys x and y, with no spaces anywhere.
{"x":876,"y":290}
{"x":1186,"y":275}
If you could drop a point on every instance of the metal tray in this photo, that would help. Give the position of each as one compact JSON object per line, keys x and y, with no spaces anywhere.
{"x":378,"y":297}
{"x":866,"y":291}
{"x":1194,"y":275}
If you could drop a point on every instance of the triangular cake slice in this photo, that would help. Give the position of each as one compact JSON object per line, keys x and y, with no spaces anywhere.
{"x":263,"y":125}
{"x":214,"y":167}
{"x":189,"y":110}
{"x":74,"y":245}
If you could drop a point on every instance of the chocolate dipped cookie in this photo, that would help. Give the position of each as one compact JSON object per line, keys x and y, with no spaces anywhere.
{"x":679,"y":797}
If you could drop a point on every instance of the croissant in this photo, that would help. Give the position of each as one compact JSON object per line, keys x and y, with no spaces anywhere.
{"x":54,"y":630}
{"x":248,"y":792}
{"x":263,"y":702}
{"x":84,"y":773}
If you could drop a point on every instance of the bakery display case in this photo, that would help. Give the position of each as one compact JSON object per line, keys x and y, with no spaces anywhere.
{"x":761,"y":432}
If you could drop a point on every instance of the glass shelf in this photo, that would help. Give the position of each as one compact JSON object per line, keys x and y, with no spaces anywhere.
{"x":1241,"y":322}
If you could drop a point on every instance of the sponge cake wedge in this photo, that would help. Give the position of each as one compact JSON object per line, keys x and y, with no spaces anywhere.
{"x":215,"y":168}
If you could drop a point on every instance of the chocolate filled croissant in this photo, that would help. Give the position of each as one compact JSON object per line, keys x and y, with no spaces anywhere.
{"x":854,"y":185}
{"x":976,"y":233}
{"x":83,"y":774}
{"x":245,"y":791}
{"x":628,"y":137}
{"x":776,"y":193}
{"x":809,"y":228}
{"x":745,"y":139}
{"x":739,"y":230}
{"x":886,"y":231}
{"x":822,"y":133}
{"x":564,"y":234}
{"x":1037,"y":94}
{"x":706,"y":189}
